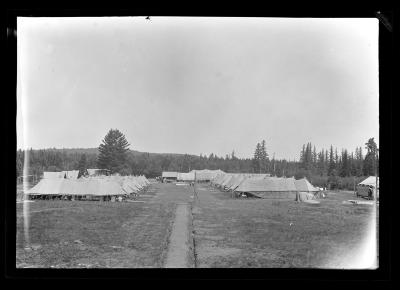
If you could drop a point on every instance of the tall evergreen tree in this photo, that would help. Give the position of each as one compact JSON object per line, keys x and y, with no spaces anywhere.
{"x":263,"y":156}
{"x":82,"y":166}
{"x":370,"y":161}
{"x":314,"y":156}
{"x":345,"y":166}
{"x":331,"y":167}
{"x":257,"y":158}
{"x":336,"y":160}
{"x":113,"y":151}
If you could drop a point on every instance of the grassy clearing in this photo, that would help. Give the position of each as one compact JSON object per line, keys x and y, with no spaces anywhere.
{"x":276,"y":233}
{"x":94,"y":234}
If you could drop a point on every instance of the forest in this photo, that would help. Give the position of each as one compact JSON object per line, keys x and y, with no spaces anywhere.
{"x":325,"y":167}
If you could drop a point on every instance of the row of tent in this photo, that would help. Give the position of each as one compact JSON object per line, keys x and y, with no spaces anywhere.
{"x":73,"y":174}
{"x":90,"y":186}
{"x":194,"y":175}
{"x":263,"y":185}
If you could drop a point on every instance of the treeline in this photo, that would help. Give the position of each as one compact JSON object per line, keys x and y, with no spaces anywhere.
{"x":324,"y":168}
{"x":52,"y":160}
{"x":331,"y":169}
{"x":141,"y":163}
{"x":138,"y":163}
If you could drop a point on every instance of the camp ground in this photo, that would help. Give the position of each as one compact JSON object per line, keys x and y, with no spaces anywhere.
{"x":238,"y":220}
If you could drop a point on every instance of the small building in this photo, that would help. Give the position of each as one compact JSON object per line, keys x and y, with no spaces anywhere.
{"x":169,"y":176}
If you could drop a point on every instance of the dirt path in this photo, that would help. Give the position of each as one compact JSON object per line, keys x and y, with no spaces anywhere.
{"x":179,"y":243}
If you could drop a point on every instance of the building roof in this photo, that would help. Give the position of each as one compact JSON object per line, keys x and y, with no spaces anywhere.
{"x":169,"y":174}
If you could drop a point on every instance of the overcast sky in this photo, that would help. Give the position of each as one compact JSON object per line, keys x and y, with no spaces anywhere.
{"x":198,"y":85}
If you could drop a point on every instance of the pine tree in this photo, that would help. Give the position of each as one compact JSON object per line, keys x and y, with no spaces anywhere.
{"x":82,"y":166}
{"x":256,"y":158}
{"x":331,"y":167}
{"x":370,"y":161}
{"x":336,"y":159}
{"x":321,"y":163}
{"x":113,"y":151}
{"x":314,"y":155}
{"x":345,"y":168}
{"x":263,"y":156}
{"x":326,"y":159}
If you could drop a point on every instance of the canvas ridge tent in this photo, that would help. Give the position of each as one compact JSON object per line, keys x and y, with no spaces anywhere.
{"x":187,"y":177}
{"x":88,"y":188}
{"x":368,"y":188}
{"x":268,"y":187}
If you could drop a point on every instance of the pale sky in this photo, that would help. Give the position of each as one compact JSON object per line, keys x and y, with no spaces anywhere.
{"x":198,"y":85}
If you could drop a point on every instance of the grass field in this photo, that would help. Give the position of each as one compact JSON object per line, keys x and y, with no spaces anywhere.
{"x":270,"y":233}
{"x":94,"y":234}
{"x":227,"y":232}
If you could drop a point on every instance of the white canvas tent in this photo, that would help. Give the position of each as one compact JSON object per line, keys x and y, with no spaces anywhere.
{"x":206,"y":174}
{"x":370,"y":181}
{"x":369,"y":187}
{"x":304,"y":185}
{"x":268,"y":187}
{"x":104,"y":186}
{"x":187,"y":177}
{"x":89,"y":186}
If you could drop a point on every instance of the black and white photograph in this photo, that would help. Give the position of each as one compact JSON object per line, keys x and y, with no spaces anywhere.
{"x":197,"y":142}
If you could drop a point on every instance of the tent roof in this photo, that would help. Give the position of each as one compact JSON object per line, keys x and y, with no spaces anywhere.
{"x":267,"y":184}
{"x":237,"y":181}
{"x":186,"y":176}
{"x":227,"y":178}
{"x":218,"y":179}
{"x":102,"y":185}
{"x":371,"y":180}
{"x":85,"y":186}
{"x":206,"y":174}
{"x":231,"y":181}
{"x":304,"y":185}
